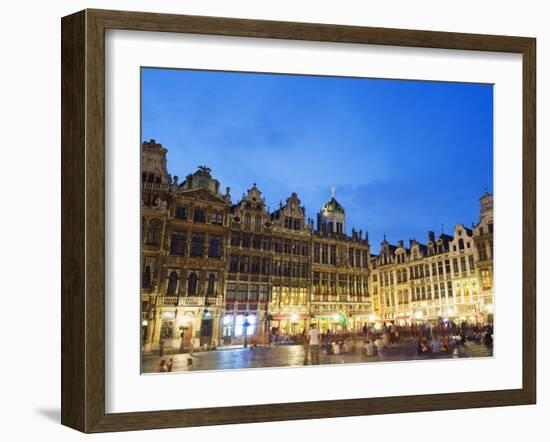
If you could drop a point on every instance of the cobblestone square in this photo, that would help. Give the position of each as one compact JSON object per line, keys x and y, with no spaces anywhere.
{"x":293,"y":355}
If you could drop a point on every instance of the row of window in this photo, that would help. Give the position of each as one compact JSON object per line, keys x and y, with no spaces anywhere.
{"x":199,"y":215}
{"x":341,"y":284}
{"x":285,"y":295}
{"x":196,"y":249}
{"x":267,"y":243}
{"x":387,"y":257}
{"x":485,"y":250}
{"x":328,"y":254}
{"x":190,"y":285}
{"x":265,"y":266}
{"x":292,"y":223}
{"x":247,"y":292}
{"x":331,"y":227}
{"x":430,"y":292}
{"x":419,"y":271}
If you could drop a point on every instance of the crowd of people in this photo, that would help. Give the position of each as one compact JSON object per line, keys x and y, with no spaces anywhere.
{"x":439,"y":337}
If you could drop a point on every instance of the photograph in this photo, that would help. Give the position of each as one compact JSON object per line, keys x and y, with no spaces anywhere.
{"x":300,"y":220}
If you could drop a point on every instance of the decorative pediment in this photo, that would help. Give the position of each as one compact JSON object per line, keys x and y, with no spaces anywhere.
{"x":203,"y":195}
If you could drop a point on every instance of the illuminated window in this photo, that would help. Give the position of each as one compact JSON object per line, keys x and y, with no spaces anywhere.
{"x":240,"y":325}
{"x":486,"y":279}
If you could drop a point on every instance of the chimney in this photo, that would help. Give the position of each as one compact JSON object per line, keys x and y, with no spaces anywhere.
{"x":431,"y":236}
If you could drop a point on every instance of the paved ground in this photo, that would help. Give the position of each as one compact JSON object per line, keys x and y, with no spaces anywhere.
{"x":293,"y":355}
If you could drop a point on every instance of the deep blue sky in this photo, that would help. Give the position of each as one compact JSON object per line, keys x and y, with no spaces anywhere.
{"x":405,"y":156}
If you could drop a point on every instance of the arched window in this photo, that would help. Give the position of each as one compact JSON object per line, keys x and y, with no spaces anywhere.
{"x":192,"y":284}
{"x":247,"y":220}
{"x":461,"y":244}
{"x":258,"y":223}
{"x":153,"y":235}
{"x":146,"y":278}
{"x":172,"y":286}
{"x":211,"y":290}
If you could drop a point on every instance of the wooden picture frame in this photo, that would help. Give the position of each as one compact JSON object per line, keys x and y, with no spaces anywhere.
{"x":83,"y":220}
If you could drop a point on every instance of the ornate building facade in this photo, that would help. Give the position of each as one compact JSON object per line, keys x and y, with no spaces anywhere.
{"x":217,"y":273}
{"x":449,"y":277}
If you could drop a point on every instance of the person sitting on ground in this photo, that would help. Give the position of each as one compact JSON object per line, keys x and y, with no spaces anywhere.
{"x":422,"y":347}
{"x":348,"y":345}
{"x":162,"y":366}
{"x":445,"y":343}
{"x":436,"y":345}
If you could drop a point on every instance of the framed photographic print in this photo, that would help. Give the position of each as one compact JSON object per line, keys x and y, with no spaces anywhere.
{"x":266,"y":221}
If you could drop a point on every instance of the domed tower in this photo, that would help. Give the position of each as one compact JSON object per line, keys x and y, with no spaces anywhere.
{"x":332,"y":217}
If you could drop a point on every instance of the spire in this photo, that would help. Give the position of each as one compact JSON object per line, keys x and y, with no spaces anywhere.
{"x":332,"y":191}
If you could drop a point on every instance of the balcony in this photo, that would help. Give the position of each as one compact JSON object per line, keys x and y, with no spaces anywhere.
{"x":199,"y":300}
{"x":168,"y":301}
{"x":154,"y":186}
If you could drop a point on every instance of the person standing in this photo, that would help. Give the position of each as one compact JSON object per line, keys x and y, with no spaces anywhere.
{"x":313,"y":336}
{"x":182,"y":342}
{"x":305,"y":346}
{"x":162,"y":342}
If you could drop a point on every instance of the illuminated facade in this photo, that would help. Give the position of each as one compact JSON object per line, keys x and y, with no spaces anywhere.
{"x":340,"y":297}
{"x":218,"y":273}
{"x":448,"y":277}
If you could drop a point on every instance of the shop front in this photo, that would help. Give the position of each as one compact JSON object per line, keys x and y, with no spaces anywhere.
{"x":357,"y":320}
{"x":289,"y":324}
{"x":334,"y":321}
{"x":237,"y":326}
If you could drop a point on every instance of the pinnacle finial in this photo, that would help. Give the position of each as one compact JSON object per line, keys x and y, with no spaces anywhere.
{"x":332,"y":191}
